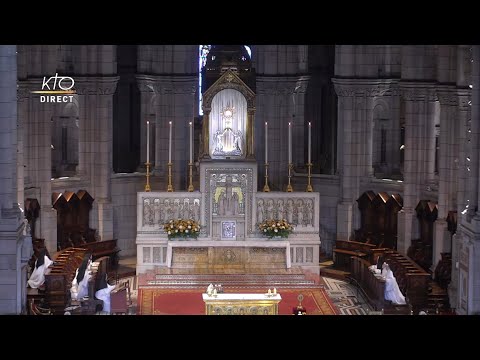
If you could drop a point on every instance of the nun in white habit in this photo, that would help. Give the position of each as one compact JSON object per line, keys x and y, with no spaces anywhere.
{"x":392,"y":291}
{"x":37,"y":278}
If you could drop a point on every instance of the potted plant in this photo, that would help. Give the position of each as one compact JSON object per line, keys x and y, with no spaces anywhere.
{"x":182,"y":228}
{"x":275,"y":228}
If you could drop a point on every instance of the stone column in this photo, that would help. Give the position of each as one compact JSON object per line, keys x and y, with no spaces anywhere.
{"x":418,"y":121}
{"x":96,"y":117}
{"x":368,"y":120}
{"x":446,"y":163}
{"x":148,"y":107}
{"x":250,"y":154}
{"x":22,"y":110}
{"x":205,"y":134}
{"x":475,"y":168}
{"x":11,"y":224}
{"x":300,"y":124}
{"x":355,"y":119}
{"x":344,"y":142}
{"x":38,"y":161}
{"x":463,"y":116}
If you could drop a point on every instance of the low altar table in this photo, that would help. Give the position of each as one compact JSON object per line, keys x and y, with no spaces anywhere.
{"x":244,"y":254}
{"x":241,"y":304}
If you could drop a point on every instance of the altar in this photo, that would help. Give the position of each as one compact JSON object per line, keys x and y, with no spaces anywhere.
{"x":227,"y":206}
{"x":222,"y":255}
{"x":241,"y":304}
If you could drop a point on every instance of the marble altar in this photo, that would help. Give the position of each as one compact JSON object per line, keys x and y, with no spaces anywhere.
{"x":227,"y":204}
{"x":241,"y":304}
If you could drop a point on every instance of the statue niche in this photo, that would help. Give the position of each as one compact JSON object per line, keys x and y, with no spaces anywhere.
{"x":229,"y":199}
{"x":228,"y":124}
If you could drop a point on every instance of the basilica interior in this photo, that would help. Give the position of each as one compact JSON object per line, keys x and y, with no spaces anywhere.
{"x":240,"y":179}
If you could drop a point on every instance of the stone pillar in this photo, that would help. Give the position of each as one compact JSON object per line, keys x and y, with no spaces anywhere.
{"x":453,"y":286}
{"x":394,"y":141}
{"x":37,"y":158}
{"x":22,"y":107}
{"x":446,"y":169}
{"x":368,"y":121}
{"x":205,"y":134}
{"x":11,"y":224}
{"x":303,"y":58}
{"x":300,"y":124}
{"x":475,"y":168}
{"x":463,"y":116}
{"x":250,"y":154}
{"x":96,"y":117}
{"x":355,"y":119}
{"x":418,"y":131}
{"x":344,"y":141}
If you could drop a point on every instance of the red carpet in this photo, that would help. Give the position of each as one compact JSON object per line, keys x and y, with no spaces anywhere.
{"x":153,"y":301}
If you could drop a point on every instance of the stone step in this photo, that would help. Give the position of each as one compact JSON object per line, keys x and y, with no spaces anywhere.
{"x":231,"y":280}
{"x":245,"y":277}
{"x":334,"y":273}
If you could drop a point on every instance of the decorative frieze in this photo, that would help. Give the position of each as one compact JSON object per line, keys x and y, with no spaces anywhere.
{"x":96,"y":85}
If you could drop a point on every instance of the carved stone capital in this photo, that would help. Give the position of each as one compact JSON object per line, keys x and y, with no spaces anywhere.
{"x":464,"y":99}
{"x":447,"y":98}
{"x":23,"y":92}
{"x":412,"y":91}
{"x":96,"y":85}
{"x":171,"y":84}
{"x":25,"y":88}
{"x":362,"y":87}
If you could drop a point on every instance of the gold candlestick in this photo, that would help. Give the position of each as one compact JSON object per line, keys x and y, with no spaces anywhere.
{"x":190,"y":170}
{"x":309,"y":184}
{"x":147,"y":185}
{"x":289,"y":186}
{"x":169,"y":186}
{"x":266,"y":188}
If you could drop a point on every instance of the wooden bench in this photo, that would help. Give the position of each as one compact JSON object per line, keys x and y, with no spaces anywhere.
{"x":344,"y":250}
{"x":104,"y":248}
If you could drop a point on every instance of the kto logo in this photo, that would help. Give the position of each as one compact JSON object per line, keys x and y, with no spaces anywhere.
{"x":57,"y":89}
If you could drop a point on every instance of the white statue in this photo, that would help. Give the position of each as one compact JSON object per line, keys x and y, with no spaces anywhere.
{"x":260,"y":211}
{"x":235,"y":203}
{"x":290,"y":211}
{"x":210,"y":289}
{"x":280,"y":210}
{"x":309,"y":212}
{"x":270,"y":209}
{"x":196,"y":211}
{"x":218,"y":141}
{"x":300,"y":212}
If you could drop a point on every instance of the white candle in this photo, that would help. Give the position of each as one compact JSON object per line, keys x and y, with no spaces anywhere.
{"x":266,"y":142}
{"x":191,"y":142}
{"x":148,"y":141}
{"x":170,"y":144}
{"x":309,"y":142}
{"x":289,"y":142}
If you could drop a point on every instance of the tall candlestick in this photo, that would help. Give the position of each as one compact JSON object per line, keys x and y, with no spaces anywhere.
{"x":191,"y":141}
{"x":266,"y":142}
{"x":309,"y":142}
{"x":170,"y":144}
{"x":148,"y":141}
{"x":289,"y":142}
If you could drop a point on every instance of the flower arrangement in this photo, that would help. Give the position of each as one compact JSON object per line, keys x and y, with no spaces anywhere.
{"x":273,"y":228}
{"x":182,"y":228}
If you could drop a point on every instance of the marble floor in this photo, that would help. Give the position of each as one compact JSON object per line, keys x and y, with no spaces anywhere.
{"x":345,"y":296}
